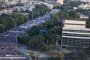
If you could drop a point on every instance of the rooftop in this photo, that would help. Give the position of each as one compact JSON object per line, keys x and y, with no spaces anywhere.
{"x":78,"y":19}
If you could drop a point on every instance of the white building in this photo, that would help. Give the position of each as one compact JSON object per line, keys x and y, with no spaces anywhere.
{"x":10,"y":2}
{"x":75,"y":34}
{"x":83,"y":16}
{"x":60,"y":1}
{"x":82,"y":0}
{"x":84,"y":6}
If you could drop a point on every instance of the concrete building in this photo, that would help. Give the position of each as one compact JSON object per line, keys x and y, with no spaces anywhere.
{"x":75,"y":34}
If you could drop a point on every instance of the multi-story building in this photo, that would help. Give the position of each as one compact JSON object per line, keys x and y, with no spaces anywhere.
{"x":75,"y":34}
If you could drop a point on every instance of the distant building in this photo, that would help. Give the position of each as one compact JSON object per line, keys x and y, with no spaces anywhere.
{"x":83,"y":16}
{"x":50,"y":6}
{"x":82,"y":0}
{"x":75,"y":34}
{"x":84,"y":6}
{"x":60,"y":1}
{"x":10,"y":2}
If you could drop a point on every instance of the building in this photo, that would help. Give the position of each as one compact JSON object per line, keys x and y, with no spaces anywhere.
{"x":81,"y":0}
{"x":82,"y":16}
{"x":10,"y":2}
{"x":75,"y":34}
{"x":60,"y":1}
{"x":84,"y":6}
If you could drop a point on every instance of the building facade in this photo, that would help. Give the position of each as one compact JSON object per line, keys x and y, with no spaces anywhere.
{"x":75,"y":34}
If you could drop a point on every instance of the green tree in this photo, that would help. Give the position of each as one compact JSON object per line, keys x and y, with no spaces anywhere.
{"x":54,"y":55}
{"x":34,"y":31}
{"x":63,"y":14}
{"x":24,"y":39}
{"x":73,"y":14}
{"x":27,"y":11}
{"x":12,"y":20}
{"x":20,"y":19}
{"x":36,"y":42}
{"x":33,"y":55}
{"x":8,"y":22}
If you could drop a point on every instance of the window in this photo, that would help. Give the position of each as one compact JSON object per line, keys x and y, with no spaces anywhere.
{"x":75,"y":42}
{"x":77,"y":35}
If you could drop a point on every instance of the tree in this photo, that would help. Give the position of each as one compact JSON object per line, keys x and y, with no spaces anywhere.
{"x":88,"y":23}
{"x":55,"y":38}
{"x":34,"y":56}
{"x":73,"y":14}
{"x":34,"y":31}
{"x":64,"y":7}
{"x":27,"y":11}
{"x":55,"y":17}
{"x":36,"y":42}
{"x":15,"y":11}
{"x":56,"y":30}
{"x":24,"y":39}
{"x":38,"y":11}
{"x":20,"y":19}
{"x":22,"y":11}
{"x":8,"y":22}
{"x":63,"y":14}
{"x":44,"y":47}
{"x":4,"y":15}
{"x":54,"y":55}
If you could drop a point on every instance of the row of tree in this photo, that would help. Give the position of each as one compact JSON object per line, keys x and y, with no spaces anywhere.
{"x":41,"y":36}
{"x":8,"y":21}
{"x":39,"y":10}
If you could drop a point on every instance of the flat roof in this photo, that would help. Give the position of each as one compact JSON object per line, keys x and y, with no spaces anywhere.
{"x":77,"y":19}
